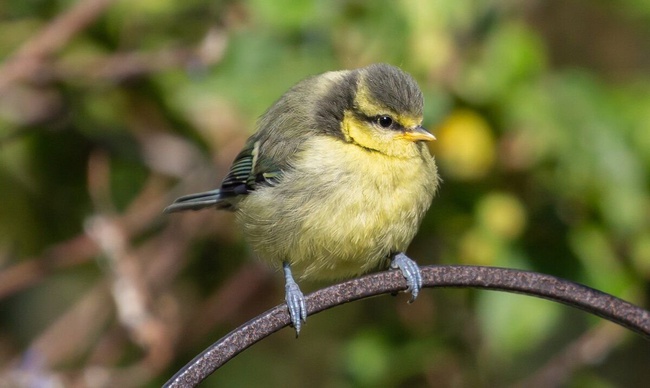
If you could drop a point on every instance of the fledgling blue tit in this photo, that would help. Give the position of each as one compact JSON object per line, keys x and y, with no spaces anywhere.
{"x":335,"y":181}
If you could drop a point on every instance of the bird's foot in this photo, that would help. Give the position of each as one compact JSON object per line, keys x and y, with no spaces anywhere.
{"x":295,"y":300}
{"x":411,"y":272}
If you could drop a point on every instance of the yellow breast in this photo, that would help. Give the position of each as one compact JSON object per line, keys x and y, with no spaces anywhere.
{"x":342,"y":209}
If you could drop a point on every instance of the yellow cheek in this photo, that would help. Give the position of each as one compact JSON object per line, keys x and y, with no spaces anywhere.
{"x":357,"y":132}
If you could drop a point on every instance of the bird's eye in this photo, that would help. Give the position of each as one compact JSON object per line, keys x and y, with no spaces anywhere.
{"x":385,"y":121}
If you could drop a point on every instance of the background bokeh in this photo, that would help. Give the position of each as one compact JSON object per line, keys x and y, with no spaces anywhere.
{"x":111,"y":109}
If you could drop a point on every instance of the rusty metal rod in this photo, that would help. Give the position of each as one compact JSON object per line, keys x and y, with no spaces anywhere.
{"x":458,"y":276}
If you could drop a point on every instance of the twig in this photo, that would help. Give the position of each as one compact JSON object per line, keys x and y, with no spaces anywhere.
{"x":226,"y":301}
{"x":124,"y":65}
{"x":529,"y":283}
{"x":71,"y":334}
{"x":139,"y":215}
{"x":27,"y":273}
{"x":29,"y":58}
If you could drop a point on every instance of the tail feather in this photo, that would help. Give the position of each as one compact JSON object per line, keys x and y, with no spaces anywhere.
{"x":195,"y":201}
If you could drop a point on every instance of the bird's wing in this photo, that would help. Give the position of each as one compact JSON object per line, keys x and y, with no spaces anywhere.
{"x":248,"y":172}
{"x":237,"y":182}
{"x":241,"y":180}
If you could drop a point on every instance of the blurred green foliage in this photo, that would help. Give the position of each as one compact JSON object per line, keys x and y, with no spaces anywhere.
{"x":542,"y":113}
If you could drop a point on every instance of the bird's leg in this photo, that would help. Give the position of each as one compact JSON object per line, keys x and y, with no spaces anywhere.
{"x":410,"y":270}
{"x":295,"y":299}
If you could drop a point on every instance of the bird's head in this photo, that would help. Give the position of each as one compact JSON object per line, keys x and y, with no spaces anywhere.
{"x":386,"y":112}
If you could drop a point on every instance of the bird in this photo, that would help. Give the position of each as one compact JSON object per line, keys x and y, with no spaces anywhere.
{"x":335,"y":181}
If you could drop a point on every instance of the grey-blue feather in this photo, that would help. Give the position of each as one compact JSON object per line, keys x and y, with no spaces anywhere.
{"x":196,"y":201}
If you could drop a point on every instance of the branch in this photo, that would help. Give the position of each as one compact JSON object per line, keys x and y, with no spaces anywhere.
{"x":500,"y":279}
{"x":28,"y":59}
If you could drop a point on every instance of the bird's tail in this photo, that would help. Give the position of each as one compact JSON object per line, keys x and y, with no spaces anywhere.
{"x":195,"y":201}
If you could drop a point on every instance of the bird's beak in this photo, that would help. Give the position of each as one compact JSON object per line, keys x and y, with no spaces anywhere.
{"x":418,"y":134}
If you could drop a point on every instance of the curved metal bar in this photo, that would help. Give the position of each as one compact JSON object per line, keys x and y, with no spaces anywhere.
{"x":490,"y":278}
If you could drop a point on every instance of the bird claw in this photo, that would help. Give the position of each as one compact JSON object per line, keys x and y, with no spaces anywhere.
{"x":297,"y":306}
{"x":295,"y":300}
{"x":411,"y":272}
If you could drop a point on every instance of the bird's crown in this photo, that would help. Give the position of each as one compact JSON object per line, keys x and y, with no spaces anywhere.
{"x":384,"y":88}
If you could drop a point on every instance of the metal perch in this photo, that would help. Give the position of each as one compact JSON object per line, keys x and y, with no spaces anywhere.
{"x":490,"y":278}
